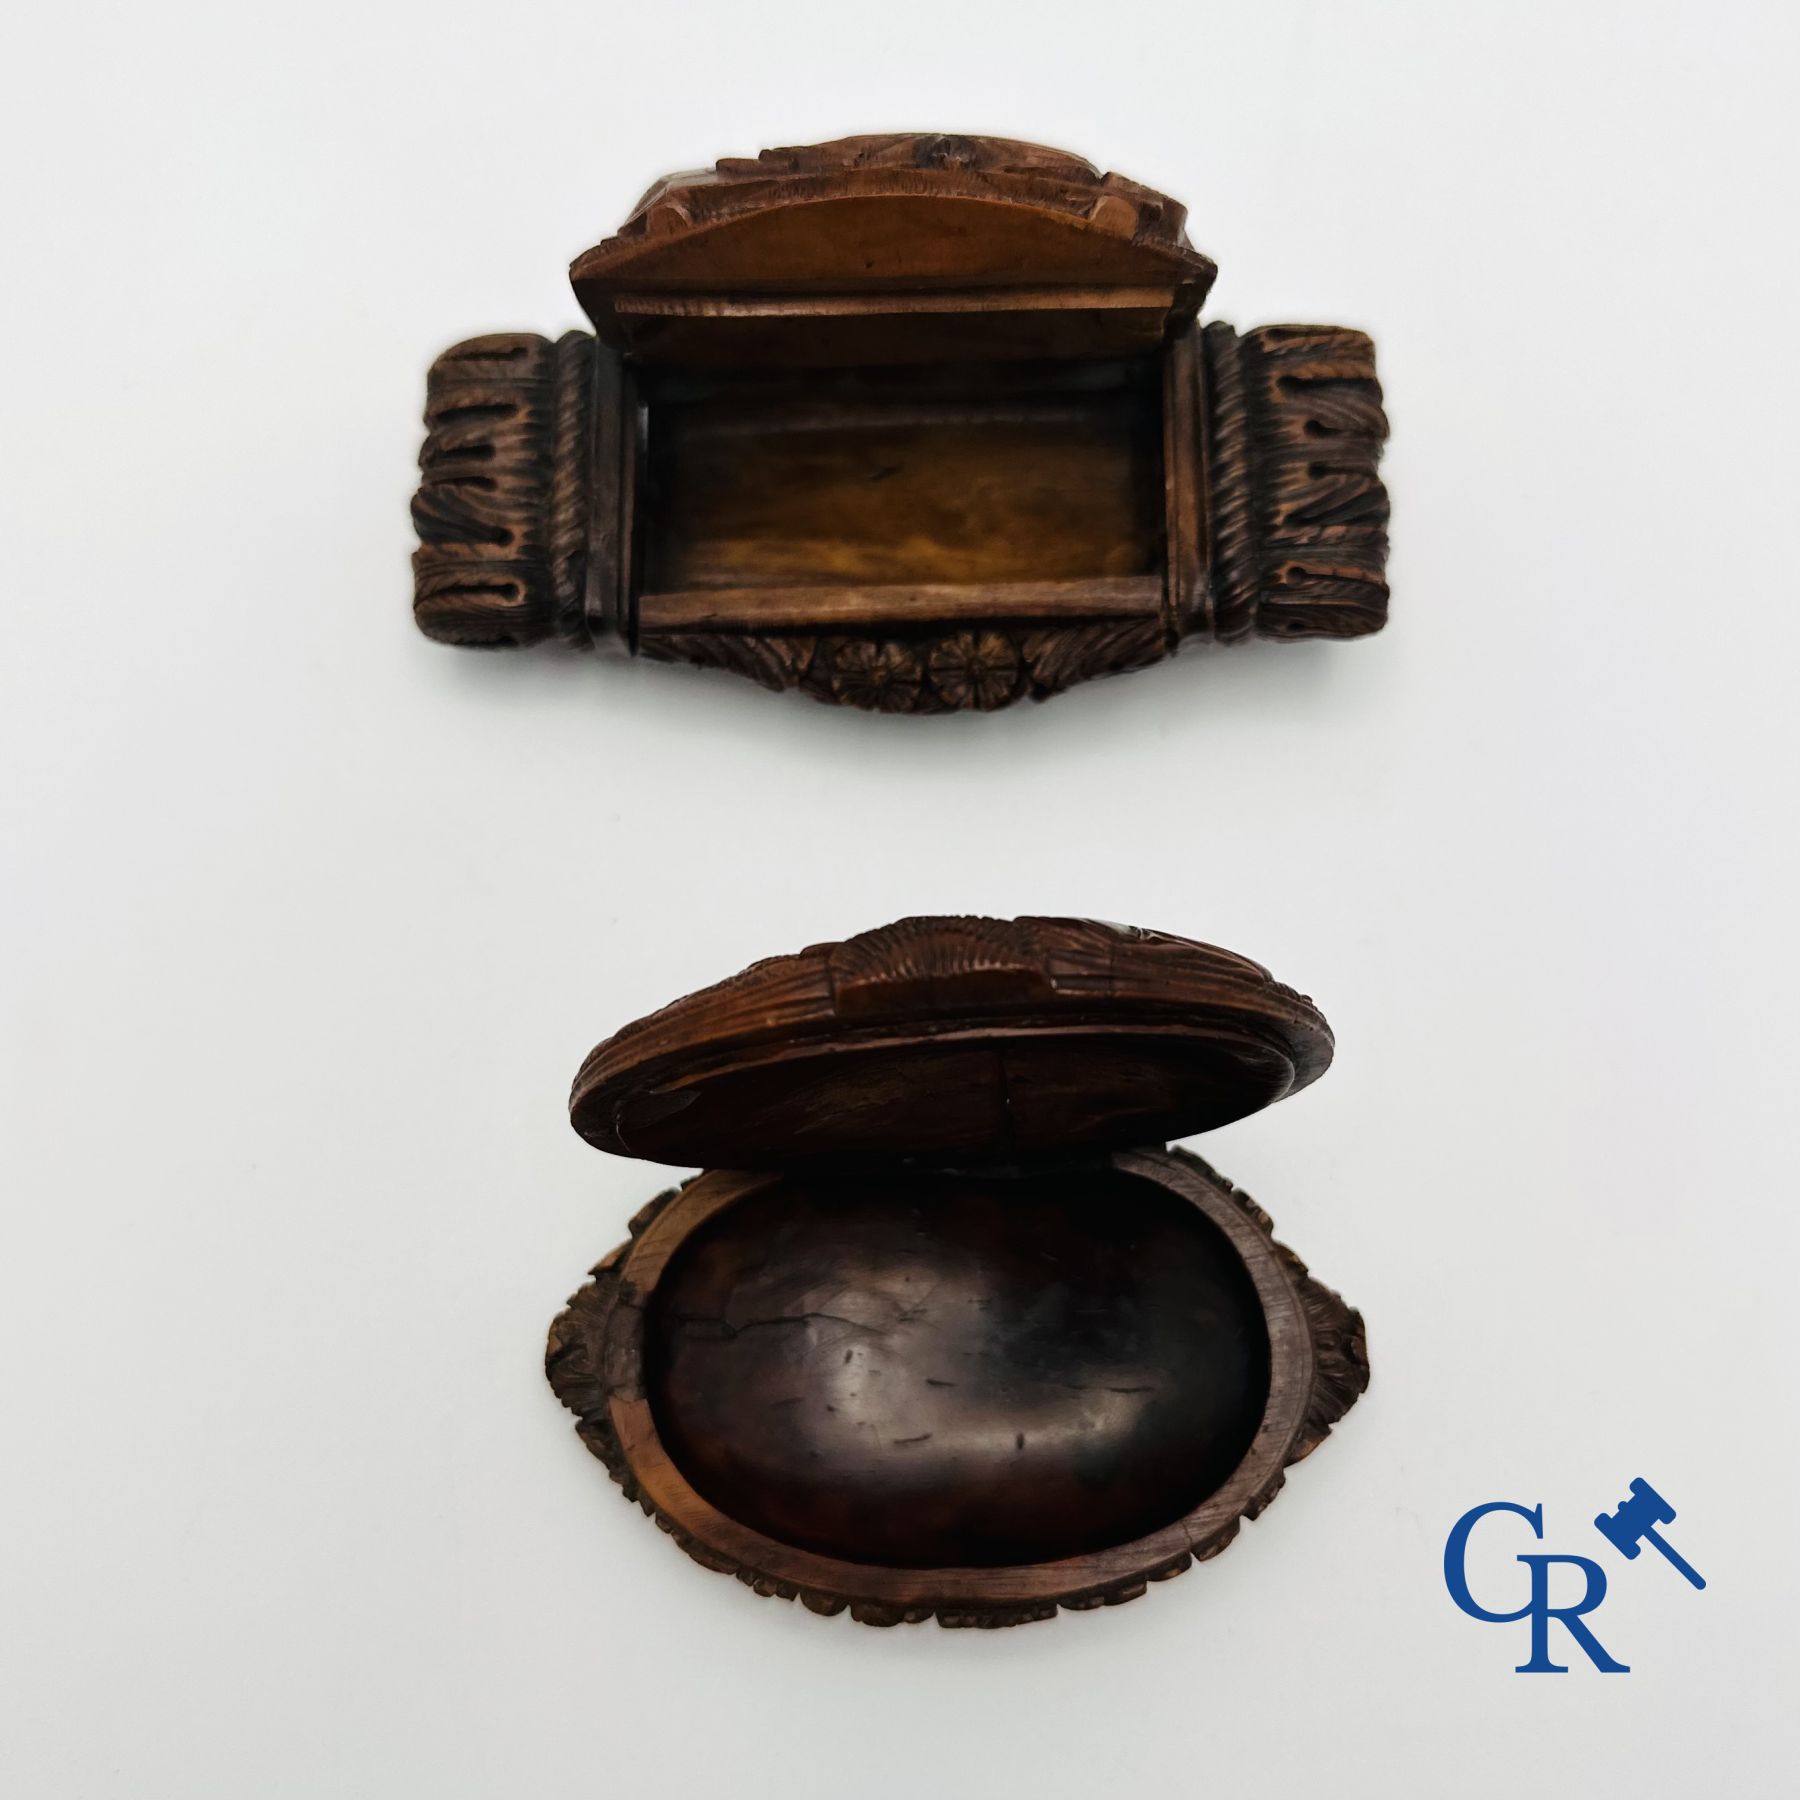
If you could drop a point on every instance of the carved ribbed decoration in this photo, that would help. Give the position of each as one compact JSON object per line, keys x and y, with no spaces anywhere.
{"x":914,"y":954}
{"x":501,"y":508}
{"x":1299,"y":514}
{"x":771,"y":662}
{"x":1059,"y":658}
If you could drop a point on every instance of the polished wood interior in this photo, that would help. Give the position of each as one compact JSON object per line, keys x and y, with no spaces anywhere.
{"x":941,"y":1371}
{"x":977,"y":477}
{"x":993,"y":1095}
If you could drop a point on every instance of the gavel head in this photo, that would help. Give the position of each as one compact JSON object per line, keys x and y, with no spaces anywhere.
{"x":1641,"y":1512}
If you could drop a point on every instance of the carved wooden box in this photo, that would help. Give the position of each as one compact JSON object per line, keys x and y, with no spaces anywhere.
{"x":944,"y":1329}
{"x":915,"y":423}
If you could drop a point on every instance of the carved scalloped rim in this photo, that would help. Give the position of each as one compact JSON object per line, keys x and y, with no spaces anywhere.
{"x":1058,"y":179}
{"x":571,"y":1365}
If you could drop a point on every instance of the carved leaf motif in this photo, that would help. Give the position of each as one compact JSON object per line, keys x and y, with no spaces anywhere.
{"x":1300,"y":513}
{"x":1058,"y":659}
{"x":771,"y":662}
{"x":501,"y":505}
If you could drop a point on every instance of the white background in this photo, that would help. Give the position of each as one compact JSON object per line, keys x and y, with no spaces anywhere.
{"x":308,"y":922}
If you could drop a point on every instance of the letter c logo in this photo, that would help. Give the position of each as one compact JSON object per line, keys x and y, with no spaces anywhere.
{"x":1456,"y":1550}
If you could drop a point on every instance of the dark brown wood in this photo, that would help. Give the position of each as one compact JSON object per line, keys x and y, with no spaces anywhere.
{"x":942,"y":1352}
{"x":608,"y":592}
{"x":836,"y":1359}
{"x":953,"y":1037}
{"x":914,"y":423}
{"x":1118,"y":1503}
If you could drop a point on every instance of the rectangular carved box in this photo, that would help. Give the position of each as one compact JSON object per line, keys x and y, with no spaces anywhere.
{"x":914,"y":423}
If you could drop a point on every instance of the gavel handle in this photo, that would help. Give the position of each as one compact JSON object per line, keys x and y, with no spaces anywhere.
{"x":1652,"y":1536}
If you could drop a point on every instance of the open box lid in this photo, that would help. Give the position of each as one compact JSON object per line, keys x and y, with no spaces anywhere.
{"x":954,"y":1040}
{"x":902,"y":248}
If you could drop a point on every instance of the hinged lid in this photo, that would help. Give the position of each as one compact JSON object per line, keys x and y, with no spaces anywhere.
{"x":953,"y":1039}
{"x":903,"y":248}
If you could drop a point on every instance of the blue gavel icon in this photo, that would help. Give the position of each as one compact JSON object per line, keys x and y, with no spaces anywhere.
{"x":1634,"y":1524}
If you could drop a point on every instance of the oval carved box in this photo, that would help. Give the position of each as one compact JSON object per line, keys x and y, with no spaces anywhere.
{"x":944,"y":1330}
{"x":916,"y":423}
